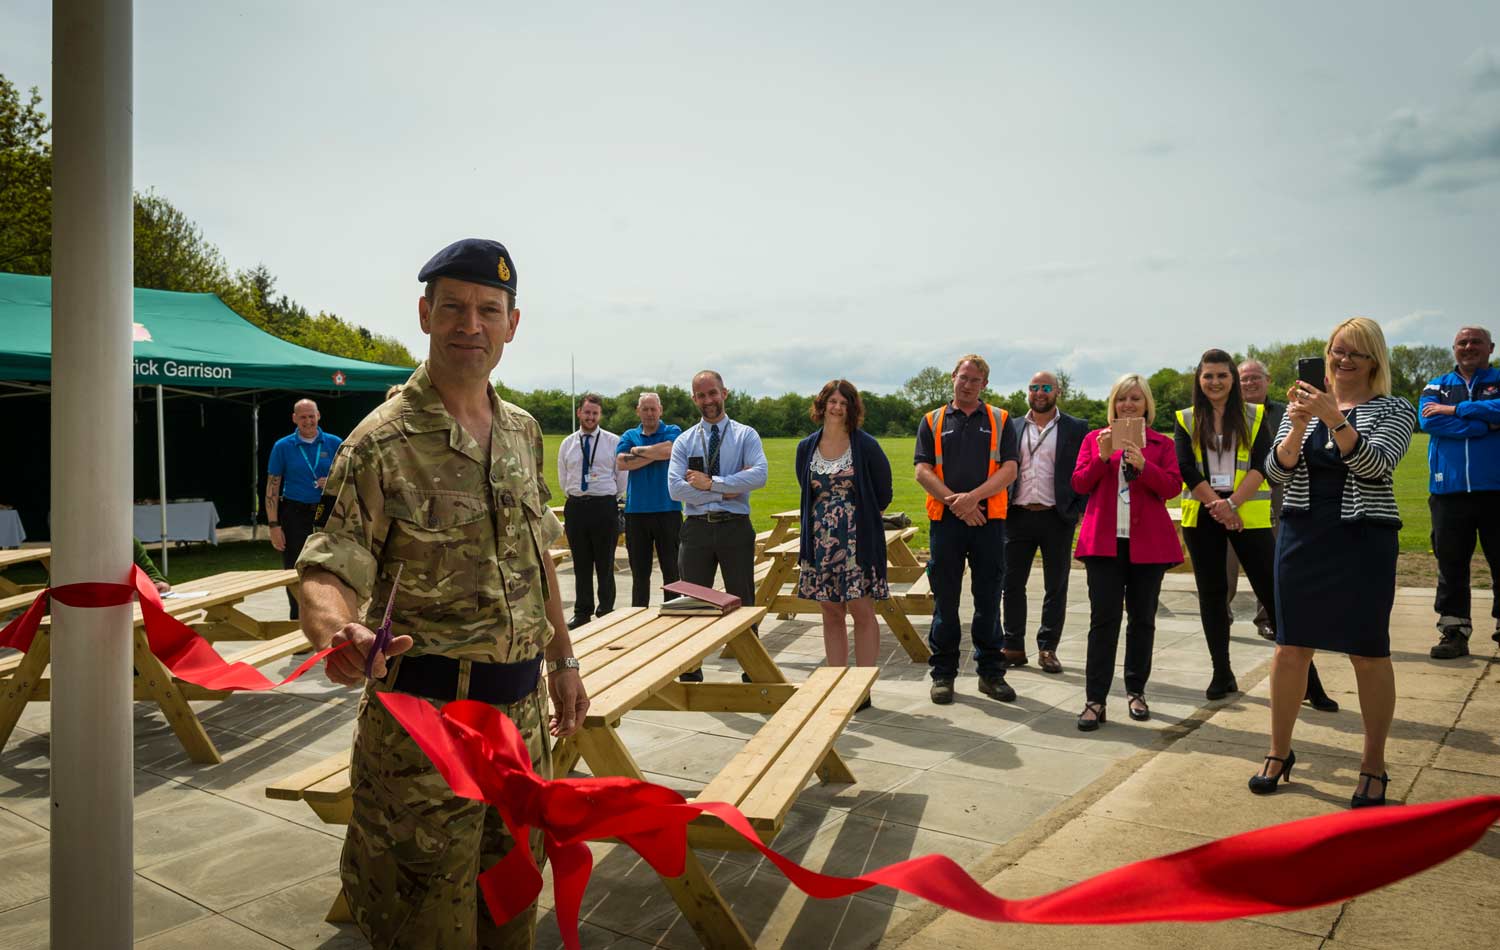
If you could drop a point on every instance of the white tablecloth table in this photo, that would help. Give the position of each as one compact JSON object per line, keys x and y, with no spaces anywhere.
{"x":186,"y":521}
{"x":11,"y":532}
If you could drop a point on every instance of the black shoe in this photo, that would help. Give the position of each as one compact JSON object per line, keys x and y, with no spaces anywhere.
{"x":691,"y":676}
{"x":1143,"y":713}
{"x":744,"y":677}
{"x":1367,"y":800}
{"x":996,"y":687}
{"x":1221,"y":685}
{"x":1266,"y":633}
{"x":1315,"y":695}
{"x":577,"y":622}
{"x":1496,"y":635}
{"x":1454,"y":644}
{"x":1263,"y":783}
{"x":942,"y":692}
{"x":1086,"y":724}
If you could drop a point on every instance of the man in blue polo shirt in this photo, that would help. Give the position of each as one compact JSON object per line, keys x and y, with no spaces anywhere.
{"x":653,"y":519}
{"x":294,"y":484}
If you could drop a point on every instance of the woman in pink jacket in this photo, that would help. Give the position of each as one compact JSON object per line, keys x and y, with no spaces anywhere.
{"x":1126,"y":542}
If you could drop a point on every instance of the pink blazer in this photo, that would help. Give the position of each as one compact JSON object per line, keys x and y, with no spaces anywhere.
{"x":1153,"y":538}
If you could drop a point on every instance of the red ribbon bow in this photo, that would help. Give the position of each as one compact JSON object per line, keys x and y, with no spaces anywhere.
{"x":181,"y":650}
{"x":483,"y":757}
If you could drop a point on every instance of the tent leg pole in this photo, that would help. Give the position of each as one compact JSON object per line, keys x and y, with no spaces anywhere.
{"x":161,"y":474}
{"x":254,"y":468}
{"x":92,"y":458}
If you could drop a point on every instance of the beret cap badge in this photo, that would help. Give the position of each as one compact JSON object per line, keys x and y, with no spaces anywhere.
{"x":503,"y":270}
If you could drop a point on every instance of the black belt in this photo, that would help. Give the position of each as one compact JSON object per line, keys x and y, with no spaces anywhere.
{"x":716,"y":517}
{"x":436,"y":677}
{"x":299,"y":504}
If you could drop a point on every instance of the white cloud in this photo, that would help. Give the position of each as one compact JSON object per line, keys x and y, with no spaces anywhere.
{"x":1419,"y":326}
{"x":1449,"y":149}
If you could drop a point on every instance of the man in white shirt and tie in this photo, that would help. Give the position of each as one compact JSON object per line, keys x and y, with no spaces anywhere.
{"x":586,"y":472}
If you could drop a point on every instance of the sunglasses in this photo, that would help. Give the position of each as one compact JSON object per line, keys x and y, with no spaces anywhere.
{"x":1041,"y":387}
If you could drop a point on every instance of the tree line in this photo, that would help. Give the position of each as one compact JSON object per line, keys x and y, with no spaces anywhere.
{"x":171,"y":252}
{"x":897,"y":414}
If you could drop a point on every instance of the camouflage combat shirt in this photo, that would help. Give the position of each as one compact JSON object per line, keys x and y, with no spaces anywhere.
{"x":409,"y":486}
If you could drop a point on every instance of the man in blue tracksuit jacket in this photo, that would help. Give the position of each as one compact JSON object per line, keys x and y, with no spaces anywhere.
{"x":1461,"y":413}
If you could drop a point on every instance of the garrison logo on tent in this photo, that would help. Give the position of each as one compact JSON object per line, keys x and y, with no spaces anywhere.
{"x":171,"y":369}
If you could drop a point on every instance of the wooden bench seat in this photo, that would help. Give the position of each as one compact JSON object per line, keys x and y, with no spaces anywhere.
{"x":324,"y":786}
{"x":765,"y":777}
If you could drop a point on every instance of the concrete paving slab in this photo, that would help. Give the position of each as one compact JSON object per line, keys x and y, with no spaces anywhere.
{"x":245,"y":867}
{"x":155,"y":909}
{"x":962,"y":806}
{"x":1057,"y":771}
{"x":913,"y":748}
{"x":215,"y":932}
{"x":293,"y":917}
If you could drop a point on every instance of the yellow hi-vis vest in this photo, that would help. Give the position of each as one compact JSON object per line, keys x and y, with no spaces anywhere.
{"x":996,"y":503}
{"x":1255,"y":513}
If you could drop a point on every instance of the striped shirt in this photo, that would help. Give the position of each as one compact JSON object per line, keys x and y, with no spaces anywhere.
{"x":1384,"y":425}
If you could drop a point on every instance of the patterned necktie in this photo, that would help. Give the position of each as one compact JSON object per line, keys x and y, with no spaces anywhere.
{"x":713,"y":450}
{"x":585,"y":463}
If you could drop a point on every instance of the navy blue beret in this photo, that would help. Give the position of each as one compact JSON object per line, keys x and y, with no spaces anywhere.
{"x":475,"y":260}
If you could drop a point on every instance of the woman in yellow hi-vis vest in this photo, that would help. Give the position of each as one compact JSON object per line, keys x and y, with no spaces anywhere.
{"x":1222,"y":443}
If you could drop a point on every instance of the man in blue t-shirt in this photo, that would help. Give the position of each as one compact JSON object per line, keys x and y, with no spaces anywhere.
{"x":294,"y":484}
{"x":652,"y":517}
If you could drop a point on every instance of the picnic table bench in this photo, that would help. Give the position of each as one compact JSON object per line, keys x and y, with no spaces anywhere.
{"x":10,"y":558}
{"x":209,"y":604}
{"x":780,"y":569}
{"x":631,"y":660}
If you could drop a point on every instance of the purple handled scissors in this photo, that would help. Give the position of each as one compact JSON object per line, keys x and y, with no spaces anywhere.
{"x":383,"y":635}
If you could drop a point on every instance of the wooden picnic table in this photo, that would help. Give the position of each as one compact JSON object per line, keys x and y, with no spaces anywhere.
{"x":10,"y":558}
{"x":631,"y":660}
{"x":901,"y":566}
{"x":211,"y":606}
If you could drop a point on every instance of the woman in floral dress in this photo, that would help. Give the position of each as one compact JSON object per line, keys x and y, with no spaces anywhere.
{"x":846,"y":484}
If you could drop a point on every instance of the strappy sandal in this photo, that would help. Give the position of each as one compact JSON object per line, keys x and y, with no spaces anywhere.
{"x":1144,"y":712}
{"x":1089,"y":725}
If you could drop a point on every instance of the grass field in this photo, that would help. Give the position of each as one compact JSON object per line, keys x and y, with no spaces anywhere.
{"x":780,"y":494}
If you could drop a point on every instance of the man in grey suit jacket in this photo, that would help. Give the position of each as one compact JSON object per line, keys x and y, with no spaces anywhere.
{"x":1043,"y":513}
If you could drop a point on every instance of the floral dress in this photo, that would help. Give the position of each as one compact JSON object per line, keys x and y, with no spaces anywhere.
{"x":834,"y":574}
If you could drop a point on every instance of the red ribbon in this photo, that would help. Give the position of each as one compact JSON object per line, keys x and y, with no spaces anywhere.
{"x":1277,"y":869}
{"x":181,"y":650}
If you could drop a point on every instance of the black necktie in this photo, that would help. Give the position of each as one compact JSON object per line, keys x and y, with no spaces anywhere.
{"x":585,"y":463}
{"x":713,"y":450}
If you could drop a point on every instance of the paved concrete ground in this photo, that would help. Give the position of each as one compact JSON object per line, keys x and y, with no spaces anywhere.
{"x":1012,"y":791}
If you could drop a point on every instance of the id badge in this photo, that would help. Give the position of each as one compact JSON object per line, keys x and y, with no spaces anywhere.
{"x":1221,"y":482}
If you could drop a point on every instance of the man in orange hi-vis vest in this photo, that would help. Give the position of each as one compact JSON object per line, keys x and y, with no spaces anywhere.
{"x":965,"y":470}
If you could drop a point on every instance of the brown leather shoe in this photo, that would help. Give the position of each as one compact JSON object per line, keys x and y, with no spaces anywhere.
{"x":1047,"y":660}
{"x":1013,"y":657}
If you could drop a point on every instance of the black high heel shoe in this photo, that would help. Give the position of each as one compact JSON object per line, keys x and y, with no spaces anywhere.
{"x":1315,"y":695}
{"x":1089,"y":725}
{"x":1368,"y":801}
{"x":1263,"y":784}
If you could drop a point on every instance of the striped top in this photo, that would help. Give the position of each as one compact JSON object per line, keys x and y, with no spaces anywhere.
{"x":1385,"y":425}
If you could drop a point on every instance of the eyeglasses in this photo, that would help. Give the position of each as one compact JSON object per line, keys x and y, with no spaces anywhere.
{"x":970,"y":380}
{"x":1040,"y":387}
{"x":1341,"y":355}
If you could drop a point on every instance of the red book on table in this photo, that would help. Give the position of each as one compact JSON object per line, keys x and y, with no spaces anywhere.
{"x":697,"y":599}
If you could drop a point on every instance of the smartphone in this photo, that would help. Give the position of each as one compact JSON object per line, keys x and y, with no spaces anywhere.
{"x":695,"y":463}
{"x":1311,"y":370}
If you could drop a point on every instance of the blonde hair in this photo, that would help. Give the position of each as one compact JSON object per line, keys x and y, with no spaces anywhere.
{"x":977,"y":360}
{"x":1131,"y":381}
{"x":1364,"y":334}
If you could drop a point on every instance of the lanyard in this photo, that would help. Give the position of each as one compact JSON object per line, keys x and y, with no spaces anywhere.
{"x":317,"y":460}
{"x":1031,"y":446}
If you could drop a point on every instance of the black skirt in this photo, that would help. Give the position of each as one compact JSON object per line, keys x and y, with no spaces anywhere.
{"x":1335,"y":579}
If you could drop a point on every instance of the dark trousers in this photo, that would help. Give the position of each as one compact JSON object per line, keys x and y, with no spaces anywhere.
{"x":656,"y":530}
{"x":592,"y":526}
{"x":296,"y":519}
{"x":1207,"y":542}
{"x":954,"y":544}
{"x":1113,"y":582}
{"x":1458,"y":519}
{"x":1027,"y":532}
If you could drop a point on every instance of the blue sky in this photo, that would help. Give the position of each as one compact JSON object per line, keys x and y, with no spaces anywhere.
{"x":790,"y":194}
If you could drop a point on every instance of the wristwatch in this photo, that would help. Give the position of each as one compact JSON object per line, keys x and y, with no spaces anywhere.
{"x":566,"y":663}
{"x":1340,"y":427}
{"x":273,"y":524}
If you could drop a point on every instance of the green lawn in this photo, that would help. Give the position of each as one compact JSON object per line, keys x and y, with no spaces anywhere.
{"x":780,"y":493}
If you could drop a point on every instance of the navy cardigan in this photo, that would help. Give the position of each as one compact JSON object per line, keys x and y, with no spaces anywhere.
{"x":872,"y":484}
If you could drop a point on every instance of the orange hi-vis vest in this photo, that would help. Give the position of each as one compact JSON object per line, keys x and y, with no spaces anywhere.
{"x":996,"y":503}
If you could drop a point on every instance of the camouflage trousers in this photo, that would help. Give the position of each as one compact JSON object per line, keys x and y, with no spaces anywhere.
{"x":414,"y":849}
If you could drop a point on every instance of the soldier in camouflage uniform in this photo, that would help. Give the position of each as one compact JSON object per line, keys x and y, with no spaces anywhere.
{"x":475,"y":614}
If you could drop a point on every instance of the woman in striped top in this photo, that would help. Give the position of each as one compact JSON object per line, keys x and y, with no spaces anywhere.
{"x":1337,"y":451}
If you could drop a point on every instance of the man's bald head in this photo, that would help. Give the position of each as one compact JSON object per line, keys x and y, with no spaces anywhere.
{"x":305,"y":416}
{"x":1254,"y":380}
{"x":1042,"y":392}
